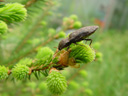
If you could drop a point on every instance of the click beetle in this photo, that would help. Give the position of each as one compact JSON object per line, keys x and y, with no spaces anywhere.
{"x":77,"y":36}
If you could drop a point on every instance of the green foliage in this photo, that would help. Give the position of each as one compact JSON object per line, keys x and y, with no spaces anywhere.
{"x":82,"y":53}
{"x":74,"y":17}
{"x":32,"y":85}
{"x":25,"y":61}
{"x":89,"y":92}
{"x":62,"y":34}
{"x":65,"y":19}
{"x":96,"y":45}
{"x":112,"y":46}
{"x":74,"y":85}
{"x":43,"y":23}
{"x":44,"y":52}
{"x":99,"y":56}
{"x":56,"y":83}
{"x":20,"y":71}
{"x":14,"y":12}
{"x":71,"y":22}
{"x":85,"y":84}
{"x":77,"y":25}
{"x":51,"y":31}
{"x":37,"y":31}
{"x":83,"y":73}
{"x":42,"y":86}
{"x":3,"y":72}
{"x":3,"y":27}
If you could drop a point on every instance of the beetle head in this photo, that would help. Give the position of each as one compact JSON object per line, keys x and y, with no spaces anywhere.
{"x":63,"y":43}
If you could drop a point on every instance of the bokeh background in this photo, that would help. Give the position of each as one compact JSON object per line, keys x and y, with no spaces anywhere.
{"x":106,"y":77}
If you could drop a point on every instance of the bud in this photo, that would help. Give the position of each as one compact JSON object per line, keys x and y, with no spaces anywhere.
{"x":82,"y":53}
{"x":43,"y":52}
{"x":43,"y":23}
{"x":13,"y":12}
{"x":83,"y":73}
{"x":62,"y":34}
{"x":89,"y":92}
{"x":77,"y":25}
{"x":3,"y":27}
{"x":74,"y":17}
{"x":3,"y":72}
{"x":56,"y":83}
{"x":74,"y":85}
{"x":20,"y":71}
{"x":96,"y":45}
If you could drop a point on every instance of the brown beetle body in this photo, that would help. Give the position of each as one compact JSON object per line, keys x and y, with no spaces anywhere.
{"x":77,"y":36}
{"x":82,"y":33}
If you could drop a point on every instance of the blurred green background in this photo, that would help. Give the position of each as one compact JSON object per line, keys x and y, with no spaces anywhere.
{"x":107,"y":77}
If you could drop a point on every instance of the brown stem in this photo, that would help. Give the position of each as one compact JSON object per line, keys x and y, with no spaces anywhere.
{"x":31,"y":69}
{"x":29,"y":3}
{"x":9,"y":72}
{"x":1,"y":0}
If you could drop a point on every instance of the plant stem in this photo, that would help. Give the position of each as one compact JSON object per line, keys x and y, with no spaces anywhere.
{"x":29,"y":3}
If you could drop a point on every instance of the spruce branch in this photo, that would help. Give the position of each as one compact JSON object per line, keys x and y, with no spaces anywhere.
{"x":14,"y":12}
{"x":56,"y":82}
{"x":59,"y":60}
{"x":51,"y":64}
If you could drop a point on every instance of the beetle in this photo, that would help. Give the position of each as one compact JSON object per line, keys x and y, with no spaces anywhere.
{"x":77,"y":36}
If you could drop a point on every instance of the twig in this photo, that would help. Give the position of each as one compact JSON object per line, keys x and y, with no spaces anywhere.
{"x":1,"y":0}
{"x":29,"y":3}
{"x":36,"y":68}
{"x":31,"y":69}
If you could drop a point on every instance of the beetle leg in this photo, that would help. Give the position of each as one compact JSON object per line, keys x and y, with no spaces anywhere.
{"x":89,"y":40}
{"x":68,"y":48}
{"x":85,"y":41}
